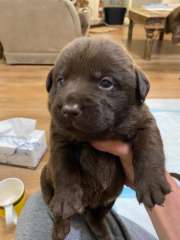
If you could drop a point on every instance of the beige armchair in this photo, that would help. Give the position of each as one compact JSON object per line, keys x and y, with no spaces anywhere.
{"x":33,"y":32}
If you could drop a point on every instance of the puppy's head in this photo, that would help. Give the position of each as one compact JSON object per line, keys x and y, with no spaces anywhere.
{"x":92,"y":86}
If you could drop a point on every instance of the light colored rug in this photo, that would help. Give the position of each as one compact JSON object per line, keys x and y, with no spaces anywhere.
{"x":167,"y":114}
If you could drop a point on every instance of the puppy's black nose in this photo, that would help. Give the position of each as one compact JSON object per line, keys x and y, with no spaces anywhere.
{"x":71,"y":110}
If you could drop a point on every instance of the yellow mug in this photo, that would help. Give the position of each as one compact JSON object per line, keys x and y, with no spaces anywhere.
{"x":12,"y":199}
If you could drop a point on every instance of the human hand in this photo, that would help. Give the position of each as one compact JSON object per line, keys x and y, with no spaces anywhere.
{"x":123,"y":151}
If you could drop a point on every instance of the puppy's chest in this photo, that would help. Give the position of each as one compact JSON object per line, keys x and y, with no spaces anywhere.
{"x":99,"y":172}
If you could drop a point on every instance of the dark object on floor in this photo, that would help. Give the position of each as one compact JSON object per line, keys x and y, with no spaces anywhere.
{"x":1,"y":51}
{"x":173,"y":25}
{"x":114,"y":15}
{"x":97,"y":92}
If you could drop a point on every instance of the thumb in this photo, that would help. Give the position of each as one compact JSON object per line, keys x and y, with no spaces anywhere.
{"x":112,"y":146}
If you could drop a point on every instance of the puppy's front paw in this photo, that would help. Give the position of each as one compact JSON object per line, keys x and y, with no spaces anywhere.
{"x":61,"y":229}
{"x":59,"y":234}
{"x":152,"y":190}
{"x":67,"y":202}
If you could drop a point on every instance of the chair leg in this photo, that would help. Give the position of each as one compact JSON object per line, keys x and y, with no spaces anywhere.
{"x":130,"y":32}
{"x":150,"y":34}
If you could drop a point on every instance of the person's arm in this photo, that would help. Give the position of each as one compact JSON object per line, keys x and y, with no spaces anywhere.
{"x":166,"y":218}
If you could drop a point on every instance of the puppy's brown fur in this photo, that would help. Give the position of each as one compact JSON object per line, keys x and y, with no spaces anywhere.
{"x":96,"y":92}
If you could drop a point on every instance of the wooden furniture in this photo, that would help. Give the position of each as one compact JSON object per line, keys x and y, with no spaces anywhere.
{"x":154,"y":23}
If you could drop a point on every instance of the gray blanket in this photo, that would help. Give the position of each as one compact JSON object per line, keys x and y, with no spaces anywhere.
{"x":35,"y":223}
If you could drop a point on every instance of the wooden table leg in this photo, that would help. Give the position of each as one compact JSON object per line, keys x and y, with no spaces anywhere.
{"x":161,"y":35}
{"x":149,"y":43}
{"x":160,"y":41}
{"x":130,"y":32}
{"x":1,"y":51}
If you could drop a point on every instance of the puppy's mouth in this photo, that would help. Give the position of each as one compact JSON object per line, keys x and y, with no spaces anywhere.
{"x":74,"y":125}
{"x":78,"y":126}
{"x":89,"y":123}
{"x":82,"y":128}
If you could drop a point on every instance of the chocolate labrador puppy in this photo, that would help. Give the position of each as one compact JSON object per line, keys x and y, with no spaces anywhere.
{"x":96,"y":92}
{"x":173,"y":25}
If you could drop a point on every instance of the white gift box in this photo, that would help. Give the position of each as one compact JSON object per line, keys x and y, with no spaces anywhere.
{"x":20,"y":143}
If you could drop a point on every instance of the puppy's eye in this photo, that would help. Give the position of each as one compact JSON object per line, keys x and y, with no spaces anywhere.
{"x":61,"y":81}
{"x":106,"y":83}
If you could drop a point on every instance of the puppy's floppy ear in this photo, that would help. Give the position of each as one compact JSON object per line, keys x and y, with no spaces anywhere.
{"x":49,"y":80}
{"x":142,"y":85}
